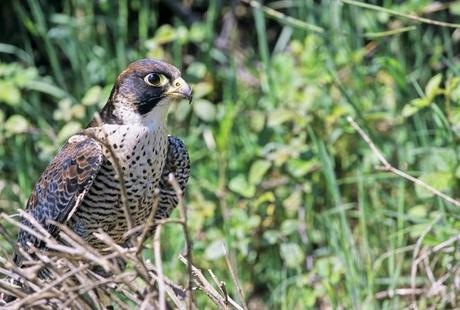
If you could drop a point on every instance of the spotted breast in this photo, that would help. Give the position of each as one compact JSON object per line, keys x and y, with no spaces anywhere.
{"x":140,"y":154}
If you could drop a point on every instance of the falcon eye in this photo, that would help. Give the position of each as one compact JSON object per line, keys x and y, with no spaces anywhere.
{"x":156,"y":79}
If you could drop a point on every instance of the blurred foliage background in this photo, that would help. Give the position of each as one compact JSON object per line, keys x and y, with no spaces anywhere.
{"x":278,"y":174}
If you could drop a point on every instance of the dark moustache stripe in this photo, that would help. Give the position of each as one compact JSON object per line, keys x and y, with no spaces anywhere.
{"x":148,"y":104}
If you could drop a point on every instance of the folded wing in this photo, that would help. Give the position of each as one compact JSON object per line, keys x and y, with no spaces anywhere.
{"x":62,"y":186}
{"x":177,"y":163}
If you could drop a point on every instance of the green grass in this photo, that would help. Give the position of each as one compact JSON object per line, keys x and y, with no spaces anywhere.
{"x":278,"y":174}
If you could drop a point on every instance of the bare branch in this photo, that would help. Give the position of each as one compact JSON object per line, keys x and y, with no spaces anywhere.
{"x":388,"y":167}
{"x":188,"y":244}
{"x":234,"y":277}
{"x":106,"y":143}
{"x":158,"y":264}
{"x":203,"y":284}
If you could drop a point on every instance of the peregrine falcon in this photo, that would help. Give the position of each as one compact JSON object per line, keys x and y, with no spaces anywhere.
{"x":127,"y":147}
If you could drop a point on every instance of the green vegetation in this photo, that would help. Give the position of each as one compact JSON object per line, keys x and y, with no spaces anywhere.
{"x":278,"y":173}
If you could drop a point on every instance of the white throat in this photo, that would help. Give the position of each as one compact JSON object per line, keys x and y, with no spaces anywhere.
{"x":156,"y":118}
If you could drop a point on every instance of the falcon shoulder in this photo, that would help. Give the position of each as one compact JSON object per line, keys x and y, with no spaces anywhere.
{"x":178,"y":163}
{"x":62,"y":185}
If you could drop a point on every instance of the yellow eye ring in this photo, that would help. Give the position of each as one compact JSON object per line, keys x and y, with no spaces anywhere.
{"x":156,"y":79}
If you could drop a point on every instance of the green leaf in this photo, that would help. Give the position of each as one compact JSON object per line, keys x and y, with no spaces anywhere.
{"x":299,"y":167}
{"x":454,"y":116}
{"x":454,"y":8}
{"x":414,"y":106}
{"x":439,"y":180}
{"x":165,"y":34}
{"x":68,"y":130}
{"x":271,"y":236}
{"x":439,"y":160}
{"x":289,"y":227}
{"x":205,"y":110}
{"x":197,"y":69}
{"x":224,"y":130}
{"x":16,"y":124}
{"x":214,"y":250}
{"x":457,"y":172}
{"x":201,"y":90}
{"x":257,"y":121}
{"x":264,"y":198}
{"x":419,"y":212}
{"x":258,"y":170}
{"x":292,"y":254}
{"x":240,"y":185}
{"x":294,"y":201}
{"x":198,"y":32}
{"x":182,"y":110}
{"x":92,"y":96}
{"x":47,"y":87}
{"x":9,"y":93}
{"x":277,"y":118}
{"x":432,"y":87}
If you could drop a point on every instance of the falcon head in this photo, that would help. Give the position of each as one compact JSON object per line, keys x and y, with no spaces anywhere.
{"x":143,"y":92}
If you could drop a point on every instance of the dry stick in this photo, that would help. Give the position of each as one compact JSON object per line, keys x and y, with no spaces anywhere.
{"x":88,"y":285}
{"x":86,"y":282}
{"x":159,"y":266}
{"x":85,"y":250}
{"x":204,"y":285}
{"x":143,"y":274}
{"x":281,"y":16}
{"x":175,"y":293}
{"x":47,"y":238}
{"x":149,"y":223}
{"x":188,"y":244}
{"x":31,"y":283}
{"x":145,"y":304}
{"x":417,"y":248}
{"x":52,"y":268}
{"x":82,"y":279}
{"x":300,"y":24}
{"x":399,"y":292}
{"x":157,"y":221}
{"x":392,"y":12}
{"x":122,"y":186}
{"x":33,"y":297}
{"x":120,"y":303}
{"x":52,"y":292}
{"x":119,"y":171}
{"x":9,"y":289}
{"x":220,"y":285}
{"x":131,"y":295}
{"x":96,"y":258}
{"x":35,"y":223}
{"x":429,"y":272}
{"x":234,"y":277}
{"x":9,"y":274}
{"x":23,"y":227}
{"x":439,"y":247}
{"x":388,"y":167}
{"x":417,"y":260}
{"x":59,"y":285}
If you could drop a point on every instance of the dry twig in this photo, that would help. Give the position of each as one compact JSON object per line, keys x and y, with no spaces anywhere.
{"x":388,"y":167}
{"x":74,"y":278}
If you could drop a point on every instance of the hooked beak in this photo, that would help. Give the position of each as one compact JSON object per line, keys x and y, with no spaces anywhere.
{"x":181,"y":89}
